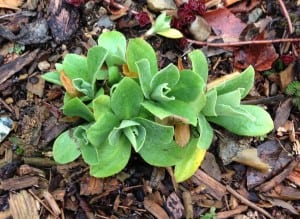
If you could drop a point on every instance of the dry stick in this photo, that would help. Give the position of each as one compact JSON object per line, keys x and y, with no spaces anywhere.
{"x":243,"y":43}
{"x":42,"y":203}
{"x":286,"y":15}
{"x":247,"y":202}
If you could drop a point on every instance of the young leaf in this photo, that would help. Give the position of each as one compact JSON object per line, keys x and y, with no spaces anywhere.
{"x":145,"y":76}
{"x":101,"y":105}
{"x":134,"y":132}
{"x":95,"y":59}
{"x":75,"y":66}
{"x":206,"y":133}
{"x":75,"y":107}
{"x":211,"y":100}
{"x":113,"y":158}
{"x":52,"y":77}
{"x":84,"y":87}
{"x":66,"y":147}
{"x":189,"y":86}
{"x":172,"y":108}
{"x":199,"y":63}
{"x":115,"y":43}
{"x":171,"y":33}
{"x":169,"y":75}
{"x":242,"y":125}
{"x":162,"y":22}
{"x":98,"y":132}
{"x":88,"y":151}
{"x":126,"y":99}
{"x":234,"y":81}
{"x":139,"y":49}
{"x":192,"y":158}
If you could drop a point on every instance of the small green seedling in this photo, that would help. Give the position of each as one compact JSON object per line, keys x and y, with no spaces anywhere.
{"x":293,"y":89}
{"x":162,"y":26}
{"x":146,"y":109}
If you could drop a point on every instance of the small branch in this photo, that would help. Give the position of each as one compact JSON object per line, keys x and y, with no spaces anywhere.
{"x":247,"y":202}
{"x":243,"y":43}
{"x":286,"y":15}
{"x":265,"y":100}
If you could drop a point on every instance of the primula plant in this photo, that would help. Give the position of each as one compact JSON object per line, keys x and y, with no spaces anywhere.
{"x":128,"y":104}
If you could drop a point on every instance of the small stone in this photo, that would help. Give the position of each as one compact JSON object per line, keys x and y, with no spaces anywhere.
{"x":105,"y":22}
{"x":161,"y":5}
{"x":200,"y":29}
{"x":43,"y":65}
{"x":89,"y":7}
{"x":9,"y":100}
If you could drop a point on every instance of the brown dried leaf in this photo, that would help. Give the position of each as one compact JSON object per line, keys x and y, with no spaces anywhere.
{"x":249,"y":157}
{"x":10,"y":4}
{"x":68,"y":85}
{"x":286,"y":76}
{"x":182,"y":134}
{"x":225,"y":24}
{"x":261,"y":57}
{"x":127,"y":73}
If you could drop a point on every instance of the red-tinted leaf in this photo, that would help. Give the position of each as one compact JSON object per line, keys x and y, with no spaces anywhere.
{"x":261,"y":57}
{"x":143,"y":18}
{"x":225,"y":24}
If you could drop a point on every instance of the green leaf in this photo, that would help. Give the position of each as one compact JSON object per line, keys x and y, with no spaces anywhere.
{"x":84,"y":87}
{"x":98,"y":132}
{"x":113,"y":158}
{"x":199,"y":63}
{"x":101,"y":105}
{"x":172,"y":108}
{"x":145,"y":76}
{"x":52,"y":77}
{"x":161,"y":155}
{"x":126,"y":99}
{"x":211,"y":100}
{"x":88,"y":151}
{"x":171,"y":33}
{"x":192,"y":158}
{"x":189,"y":86}
{"x":243,"y":80}
{"x":206,"y":133}
{"x":155,"y":132}
{"x":114,"y":75}
{"x":159,"y":94}
{"x":115,"y":43}
{"x":169,"y":75}
{"x":134,"y":132}
{"x":75,"y":107}
{"x":75,"y":66}
{"x":66,"y":147}
{"x":242,"y":125}
{"x":139,"y":49}
{"x":95,"y":59}
{"x":162,"y":23}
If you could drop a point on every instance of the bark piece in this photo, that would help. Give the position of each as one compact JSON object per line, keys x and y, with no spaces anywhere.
{"x":9,"y":69}
{"x":155,"y":209}
{"x":175,"y":206}
{"x":212,"y":187}
{"x":19,"y":182}
{"x":22,"y":205}
{"x":63,"y":21}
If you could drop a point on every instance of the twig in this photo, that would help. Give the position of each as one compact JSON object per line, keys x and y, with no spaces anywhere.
{"x":6,"y":105}
{"x":119,"y":6}
{"x":286,"y":15}
{"x":247,"y":202}
{"x":243,"y":43}
{"x":265,"y":100}
{"x":42,"y":203}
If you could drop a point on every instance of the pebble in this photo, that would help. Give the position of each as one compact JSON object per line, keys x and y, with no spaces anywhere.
{"x":43,"y":65}
{"x":6,"y":125}
{"x":200,"y":29}
{"x":160,"y":5}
